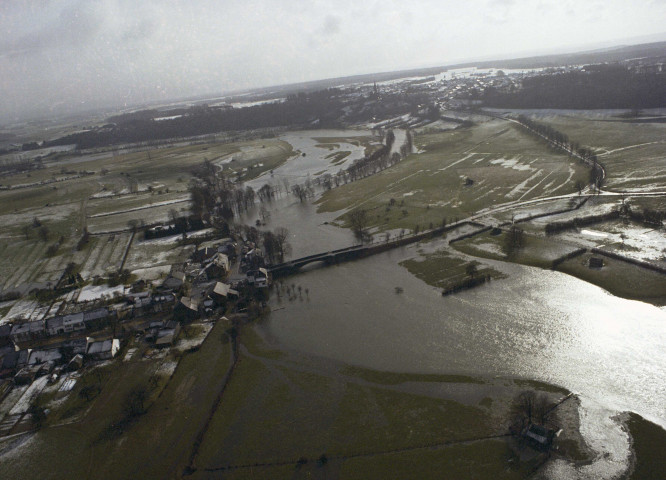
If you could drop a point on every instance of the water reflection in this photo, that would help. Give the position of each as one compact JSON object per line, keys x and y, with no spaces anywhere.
{"x":535,"y":324}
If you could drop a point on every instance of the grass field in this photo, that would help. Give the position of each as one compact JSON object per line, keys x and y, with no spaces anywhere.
{"x":280,"y":407}
{"x":618,"y":277}
{"x":441,"y":269}
{"x":504,"y":163}
{"x":634,"y":153}
{"x":156,"y":445}
{"x":138,"y":186}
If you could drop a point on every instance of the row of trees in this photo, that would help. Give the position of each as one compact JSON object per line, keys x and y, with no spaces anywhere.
{"x":324,"y":106}
{"x":560,"y":140}
{"x":215,"y":197}
{"x":273,"y":243}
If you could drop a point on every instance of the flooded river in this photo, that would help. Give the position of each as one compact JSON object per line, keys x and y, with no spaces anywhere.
{"x":535,"y":324}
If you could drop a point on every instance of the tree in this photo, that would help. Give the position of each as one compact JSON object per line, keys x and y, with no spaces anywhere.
{"x":43,"y":233}
{"x":26,"y":229}
{"x":133,"y":405}
{"x":530,"y":407}
{"x":358,"y":219}
{"x":281,"y":235}
{"x":390,"y":139}
{"x":471,"y":269}
{"x":300,"y":191}
{"x":513,"y":240}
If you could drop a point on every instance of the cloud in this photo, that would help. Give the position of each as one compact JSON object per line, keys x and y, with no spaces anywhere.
{"x":75,"y":24}
{"x":331,"y":25}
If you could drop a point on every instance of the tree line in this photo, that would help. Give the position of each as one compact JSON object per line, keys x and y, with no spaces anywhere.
{"x":560,"y":140}
{"x":593,"y":87}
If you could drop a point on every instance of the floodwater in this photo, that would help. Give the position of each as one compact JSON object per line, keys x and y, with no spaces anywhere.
{"x":535,"y":324}
{"x":314,"y":163}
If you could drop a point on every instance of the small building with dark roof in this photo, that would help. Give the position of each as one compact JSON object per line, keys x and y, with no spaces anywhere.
{"x":24,"y":332}
{"x":5,"y":338}
{"x":539,"y":436}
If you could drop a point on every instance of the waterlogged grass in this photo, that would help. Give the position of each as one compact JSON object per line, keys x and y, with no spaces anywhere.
{"x":620,"y":278}
{"x":648,"y":442}
{"x":489,"y":459}
{"x":277,"y":414}
{"x":633,"y":153}
{"x":537,"y":251}
{"x":338,"y":157}
{"x":504,"y":163}
{"x":440,"y":269}
{"x":262,"y":158}
{"x":395,"y":378}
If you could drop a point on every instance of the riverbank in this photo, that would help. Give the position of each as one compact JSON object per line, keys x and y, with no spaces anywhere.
{"x":621,"y":278}
{"x":284,"y":414}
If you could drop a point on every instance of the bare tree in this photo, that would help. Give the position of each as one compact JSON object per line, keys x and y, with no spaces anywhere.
{"x":359,"y":219}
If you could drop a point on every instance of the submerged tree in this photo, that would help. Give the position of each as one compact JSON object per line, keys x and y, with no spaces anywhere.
{"x":359,"y":220}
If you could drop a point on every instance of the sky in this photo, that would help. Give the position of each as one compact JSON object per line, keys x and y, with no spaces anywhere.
{"x":61,"y":56}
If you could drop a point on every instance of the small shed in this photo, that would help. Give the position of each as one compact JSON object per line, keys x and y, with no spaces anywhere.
{"x":75,"y":363}
{"x":167,"y":336}
{"x":539,"y":436}
{"x":104,"y":349}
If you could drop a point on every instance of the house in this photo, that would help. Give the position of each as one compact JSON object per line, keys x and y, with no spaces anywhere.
{"x":26,"y":375}
{"x":73,"y":322}
{"x":258,"y":277}
{"x":187,"y":308}
{"x":75,"y":363}
{"x":539,"y":436}
{"x":174,"y":281}
{"x":24,"y":332}
{"x":54,"y":326}
{"x":204,"y":254}
{"x":217,"y":267}
{"x":8,"y":361}
{"x":73,"y":345}
{"x":102,"y":350}
{"x":36,"y":357}
{"x":96,"y":319}
{"x":167,"y":336}
{"x":5,"y":338}
{"x":222,"y":292}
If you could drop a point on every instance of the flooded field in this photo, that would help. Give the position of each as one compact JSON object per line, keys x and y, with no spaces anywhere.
{"x":317,"y":150}
{"x":535,"y":324}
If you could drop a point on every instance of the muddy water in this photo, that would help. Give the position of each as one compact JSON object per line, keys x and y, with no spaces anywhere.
{"x":296,"y":170}
{"x":535,"y":324}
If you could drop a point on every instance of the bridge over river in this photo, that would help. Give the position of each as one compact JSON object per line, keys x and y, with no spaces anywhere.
{"x":359,"y":251}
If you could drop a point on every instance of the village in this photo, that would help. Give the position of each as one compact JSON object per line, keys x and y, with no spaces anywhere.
{"x":219,"y":279}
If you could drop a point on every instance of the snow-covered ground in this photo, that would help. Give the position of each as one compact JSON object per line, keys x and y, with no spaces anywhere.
{"x":22,"y":309}
{"x":187,"y":343}
{"x":23,"y":403}
{"x":92,"y":292}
